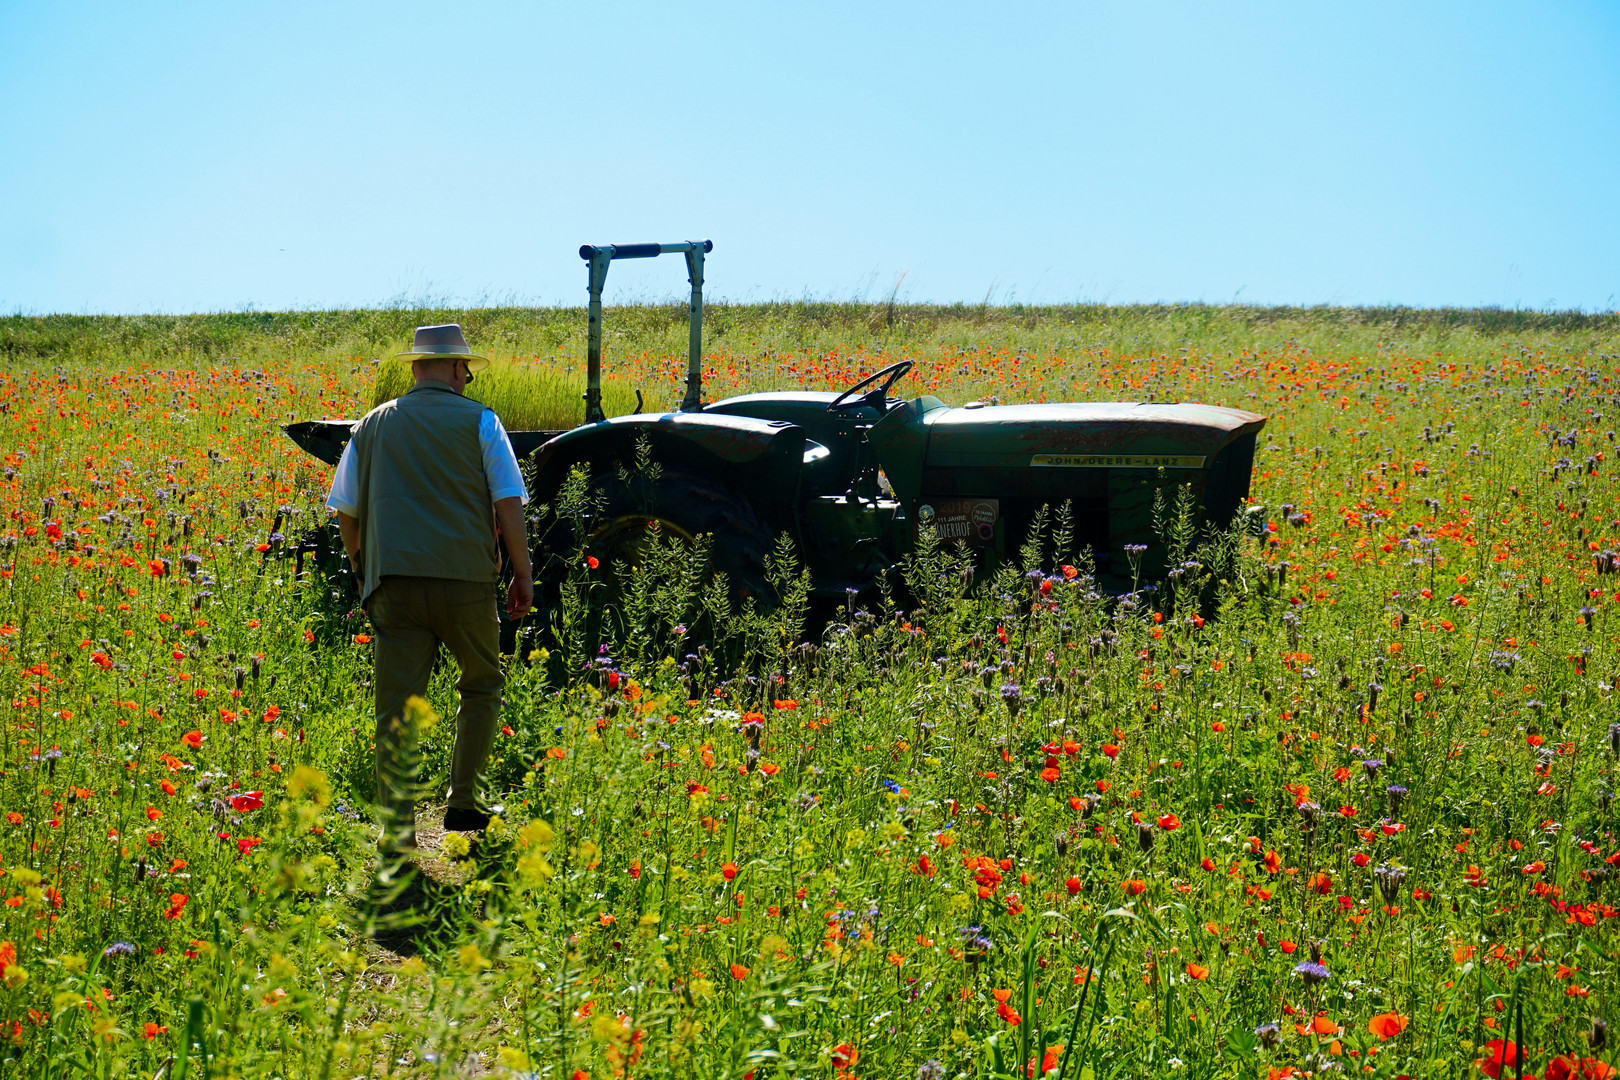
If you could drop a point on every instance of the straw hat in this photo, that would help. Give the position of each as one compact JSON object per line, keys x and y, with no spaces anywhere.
{"x":443,"y":342}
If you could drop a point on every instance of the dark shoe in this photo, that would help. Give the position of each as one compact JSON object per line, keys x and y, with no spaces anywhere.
{"x":458,"y":820}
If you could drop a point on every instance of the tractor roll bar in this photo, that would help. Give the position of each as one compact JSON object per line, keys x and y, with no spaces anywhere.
{"x":599,"y":258}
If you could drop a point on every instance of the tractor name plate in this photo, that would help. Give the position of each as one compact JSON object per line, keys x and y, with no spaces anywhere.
{"x":972,"y":520}
{"x":1119,"y":461}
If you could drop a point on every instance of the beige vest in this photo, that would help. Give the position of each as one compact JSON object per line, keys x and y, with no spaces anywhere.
{"x":425,"y":508}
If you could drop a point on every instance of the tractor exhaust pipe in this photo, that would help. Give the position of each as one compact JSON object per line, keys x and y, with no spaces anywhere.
{"x":599,"y":259}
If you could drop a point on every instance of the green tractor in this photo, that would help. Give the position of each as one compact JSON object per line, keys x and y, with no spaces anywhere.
{"x":853,"y":476}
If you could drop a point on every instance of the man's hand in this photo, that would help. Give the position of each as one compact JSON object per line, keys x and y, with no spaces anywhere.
{"x":514,"y":534}
{"x":519,"y":596}
{"x":349,"y":530}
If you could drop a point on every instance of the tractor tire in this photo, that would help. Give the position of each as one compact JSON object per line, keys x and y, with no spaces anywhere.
{"x":688,"y":506}
{"x":684,"y":505}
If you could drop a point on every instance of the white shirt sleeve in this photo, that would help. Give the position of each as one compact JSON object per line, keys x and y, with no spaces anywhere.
{"x":500,"y":462}
{"x":344,"y":483}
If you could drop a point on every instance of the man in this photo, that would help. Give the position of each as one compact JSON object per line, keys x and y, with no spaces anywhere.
{"x":426,"y":484}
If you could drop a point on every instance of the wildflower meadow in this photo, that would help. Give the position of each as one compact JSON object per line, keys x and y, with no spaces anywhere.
{"x":1338,"y":802}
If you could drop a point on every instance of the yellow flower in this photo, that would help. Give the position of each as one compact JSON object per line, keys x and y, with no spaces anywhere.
{"x":538,"y":835}
{"x":309,"y":783}
{"x":469,"y":959}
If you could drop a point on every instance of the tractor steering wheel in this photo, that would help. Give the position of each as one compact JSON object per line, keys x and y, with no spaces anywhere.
{"x":887,"y":376}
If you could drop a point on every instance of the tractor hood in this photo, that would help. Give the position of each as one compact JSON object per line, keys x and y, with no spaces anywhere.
{"x":732,"y":439}
{"x":1108,"y":434}
{"x":1107,"y":460}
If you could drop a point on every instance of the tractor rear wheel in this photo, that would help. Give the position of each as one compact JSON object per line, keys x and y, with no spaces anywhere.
{"x":683,"y":505}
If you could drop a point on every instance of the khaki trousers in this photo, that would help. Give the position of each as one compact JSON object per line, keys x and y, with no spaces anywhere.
{"x":411,"y":618}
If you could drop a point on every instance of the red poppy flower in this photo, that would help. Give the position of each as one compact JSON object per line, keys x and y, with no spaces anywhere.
{"x":252,"y":800}
{"x":1169,"y":821}
{"x":1499,"y":1054}
{"x":1573,"y":1068}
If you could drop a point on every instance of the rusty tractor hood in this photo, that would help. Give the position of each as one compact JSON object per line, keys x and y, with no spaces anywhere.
{"x":1114,"y":433}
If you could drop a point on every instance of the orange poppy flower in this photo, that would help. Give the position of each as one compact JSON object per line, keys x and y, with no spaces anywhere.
{"x":1387,"y":1025}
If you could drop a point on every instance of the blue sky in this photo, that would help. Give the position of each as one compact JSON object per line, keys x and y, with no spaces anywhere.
{"x":213,"y":156}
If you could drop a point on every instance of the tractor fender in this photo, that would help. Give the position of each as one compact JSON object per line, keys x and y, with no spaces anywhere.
{"x":761,"y":458}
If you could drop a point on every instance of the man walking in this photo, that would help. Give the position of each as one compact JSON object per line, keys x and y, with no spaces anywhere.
{"x":424,"y":488}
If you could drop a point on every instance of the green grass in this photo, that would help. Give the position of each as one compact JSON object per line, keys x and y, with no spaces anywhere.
{"x":764,"y":329}
{"x":527,"y":394}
